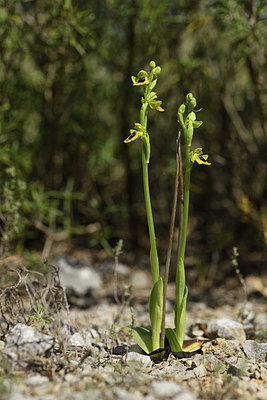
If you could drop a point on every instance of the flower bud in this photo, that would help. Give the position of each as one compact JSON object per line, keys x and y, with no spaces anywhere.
{"x":152,"y":65}
{"x":157,"y":70}
{"x":181,"y":110}
{"x":190,"y":102}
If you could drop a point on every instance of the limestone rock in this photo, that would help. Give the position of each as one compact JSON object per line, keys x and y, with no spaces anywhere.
{"x":25,"y":341}
{"x":256,"y":352}
{"x":227,"y":329}
{"x":80,"y":278}
{"x":141,"y":359}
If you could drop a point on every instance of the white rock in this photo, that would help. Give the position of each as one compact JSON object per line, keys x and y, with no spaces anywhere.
{"x":36,"y":380}
{"x":263,"y":370}
{"x":123,"y":394}
{"x":256,"y":352}
{"x":141,"y":359}
{"x":185,"y":395}
{"x":85,"y":338}
{"x":227,"y":329}
{"x":170,"y":390}
{"x":78,"y":277}
{"x":166,"y":388}
{"x":25,"y":341}
{"x":80,"y":340}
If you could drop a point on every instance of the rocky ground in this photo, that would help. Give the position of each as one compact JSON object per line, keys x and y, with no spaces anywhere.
{"x":55,"y":347}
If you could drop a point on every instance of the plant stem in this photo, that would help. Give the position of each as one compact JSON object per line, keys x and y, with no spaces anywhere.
{"x":180,"y":201}
{"x":186,"y":202}
{"x":181,"y":290}
{"x":169,"y":251}
{"x":153,"y":247}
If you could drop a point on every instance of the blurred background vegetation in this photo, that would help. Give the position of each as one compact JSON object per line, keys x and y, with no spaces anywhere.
{"x":67,"y":102}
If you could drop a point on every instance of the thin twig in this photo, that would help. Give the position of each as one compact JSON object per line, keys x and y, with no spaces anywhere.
{"x":171,"y":234}
{"x":118,"y":251}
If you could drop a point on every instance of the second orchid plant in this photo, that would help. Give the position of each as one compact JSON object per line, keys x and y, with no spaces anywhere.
{"x":151,"y":340}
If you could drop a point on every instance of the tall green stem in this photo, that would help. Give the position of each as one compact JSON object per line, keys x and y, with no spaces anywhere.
{"x":181,"y":289}
{"x":153,"y":247}
{"x":169,"y":251}
{"x":186,"y":202}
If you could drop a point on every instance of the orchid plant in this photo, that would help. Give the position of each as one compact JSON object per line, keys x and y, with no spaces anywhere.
{"x":151,"y":340}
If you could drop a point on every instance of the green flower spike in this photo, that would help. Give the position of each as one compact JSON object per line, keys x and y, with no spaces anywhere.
{"x":198,"y":156}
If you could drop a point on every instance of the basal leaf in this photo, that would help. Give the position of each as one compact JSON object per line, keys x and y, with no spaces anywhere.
{"x":155,"y":312}
{"x":193,"y":345}
{"x":172,"y":339}
{"x":142,"y":337}
{"x":160,"y":354}
{"x":180,"y":316}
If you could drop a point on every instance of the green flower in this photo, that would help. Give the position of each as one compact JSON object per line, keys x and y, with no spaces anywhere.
{"x":135,"y":133}
{"x":153,"y":102}
{"x":141,"y":78}
{"x":198,"y":156}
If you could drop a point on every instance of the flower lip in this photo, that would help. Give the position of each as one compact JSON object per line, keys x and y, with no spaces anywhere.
{"x":141,"y":79}
{"x":198,"y":156}
{"x":133,"y":136}
{"x":202,"y":160}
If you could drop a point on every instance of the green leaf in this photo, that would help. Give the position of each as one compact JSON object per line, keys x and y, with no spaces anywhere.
{"x":152,"y":84}
{"x":172,"y":339}
{"x":193,"y":345}
{"x":180,"y":317}
{"x":160,"y":354}
{"x":155,"y":312}
{"x":142,"y":337}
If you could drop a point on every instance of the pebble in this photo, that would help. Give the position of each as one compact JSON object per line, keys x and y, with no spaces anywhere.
{"x":263,"y":371}
{"x":256,"y":352}
{"x":25,"y":341}
{"x":197,"y":360}
{"x":169,"y":390}
{"x":36,"y":380}
{"x":223,"y":348}
{"x":123,"y":394}
{"x":211,"y":362}
{"x":200,"y":371}
{"x":141,"y":359}
{"x":238,"y":369}
{"x":227,"y":329}
{"x":81,"y":340}
{"x":81,"y":278}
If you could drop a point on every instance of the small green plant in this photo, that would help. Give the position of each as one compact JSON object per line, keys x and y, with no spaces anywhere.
{"x":39,"y":315}
{"x":152,"y":339}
